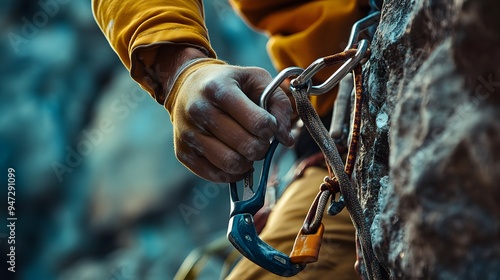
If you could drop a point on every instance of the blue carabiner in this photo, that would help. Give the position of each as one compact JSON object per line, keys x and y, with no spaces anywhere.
{"x":241,"y":229}
{"x":253,"y":204}
{"x":243,"y":235}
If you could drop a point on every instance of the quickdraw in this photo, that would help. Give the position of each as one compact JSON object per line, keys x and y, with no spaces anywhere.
{"x":341,"y":180}
{"x":241,"y":230}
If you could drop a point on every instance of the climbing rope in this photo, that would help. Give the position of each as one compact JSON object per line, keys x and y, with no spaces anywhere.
{"x":325,"y":142}
{"x":330,"y":185}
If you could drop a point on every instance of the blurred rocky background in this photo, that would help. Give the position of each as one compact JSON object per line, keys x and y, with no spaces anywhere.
{"x":99,"y":193}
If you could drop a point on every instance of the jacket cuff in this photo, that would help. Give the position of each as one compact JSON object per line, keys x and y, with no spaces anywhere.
{"x":143,"y":69}
{"x":182,"y":74}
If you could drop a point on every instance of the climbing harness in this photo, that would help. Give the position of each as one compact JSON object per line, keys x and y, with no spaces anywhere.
{"x":241,"y":231}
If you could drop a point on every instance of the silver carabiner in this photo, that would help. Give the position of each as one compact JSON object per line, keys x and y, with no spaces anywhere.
{"x":360,"y":26}
{"x":320,"y":63}
{"x":335,"y":78}
{"x":276,"y":82}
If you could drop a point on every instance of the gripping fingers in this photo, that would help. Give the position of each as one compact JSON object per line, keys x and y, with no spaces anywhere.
{"x":231,"y":133}
{"x":220,"y":129}
{"x":210,"y":158}
{"x":249,"y":115}
{"x":280,"y":107}
{"x":253,"y":81}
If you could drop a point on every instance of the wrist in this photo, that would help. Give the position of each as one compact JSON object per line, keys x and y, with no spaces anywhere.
{"x":170,"y":61}
{"x":182,"y":75}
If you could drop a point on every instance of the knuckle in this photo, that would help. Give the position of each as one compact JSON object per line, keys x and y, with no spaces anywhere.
{"x":187,"y":141}
{"x":254,"y":150}
{"x":223,"y":177}
{"x":262,"y":122}
{"x":266,"y":133}
{"x":215,"y":89}
{"x":197,"y":109}
{"x":261,"y":72}
{"x":220,"y":176}
{"x":234,"y":163}
{"x":186,"y":137}
{"x":185,"y":158}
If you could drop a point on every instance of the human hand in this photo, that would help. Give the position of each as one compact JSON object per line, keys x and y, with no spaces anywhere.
{"x":219,"y":130}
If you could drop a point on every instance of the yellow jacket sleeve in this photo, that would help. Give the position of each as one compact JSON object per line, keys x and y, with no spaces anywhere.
{"x":302,"y":31}
{"x":131,"y":25}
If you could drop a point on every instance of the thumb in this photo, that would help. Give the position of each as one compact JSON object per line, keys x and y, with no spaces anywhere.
{"x":280,"y":107}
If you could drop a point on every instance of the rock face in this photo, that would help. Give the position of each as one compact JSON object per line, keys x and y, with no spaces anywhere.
{"x":428,"y":169}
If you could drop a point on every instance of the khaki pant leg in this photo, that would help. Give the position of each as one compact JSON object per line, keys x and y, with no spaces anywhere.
{"x":338,"y":251}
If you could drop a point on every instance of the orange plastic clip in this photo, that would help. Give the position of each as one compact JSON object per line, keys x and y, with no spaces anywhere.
{"x":306,"y":247}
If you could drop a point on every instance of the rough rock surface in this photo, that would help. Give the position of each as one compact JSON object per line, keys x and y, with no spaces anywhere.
{"x":429,"y":162}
